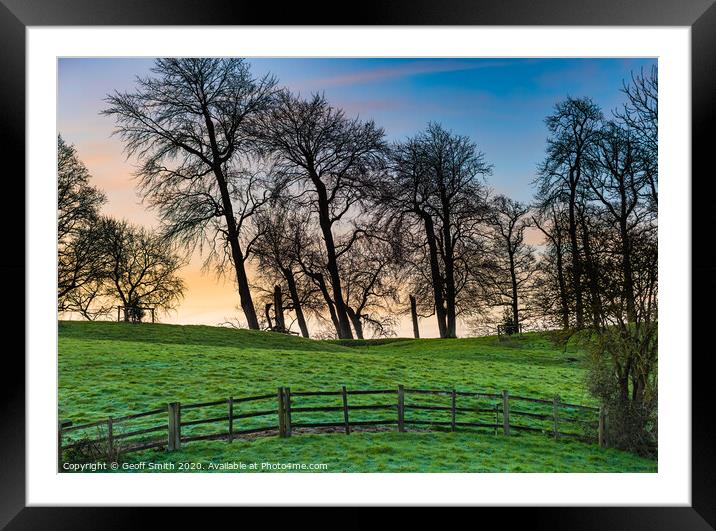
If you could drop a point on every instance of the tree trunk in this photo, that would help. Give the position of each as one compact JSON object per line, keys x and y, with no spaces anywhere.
{"x":450,"y":295}
{"x":296,"y":300}
{"x":437,"y":279}
{"x":629,"y":285}
{"x":278,"y":309}
{"x":449,"y":260}
{"x":627,"y":269}
{"x":514,"y":302}
{"x":592,"y":277}
{"x":344,"y":326}
{"x":576,"y":262}
{"x":357,"y":324}
{"x":237,"y":255}
{"x":329,"y":302}
{"x":564,"y":304}
{"x":414,"y":315}
{"x":247,"y":303}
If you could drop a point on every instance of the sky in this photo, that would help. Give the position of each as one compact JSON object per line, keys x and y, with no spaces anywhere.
{"x":500,"y":103}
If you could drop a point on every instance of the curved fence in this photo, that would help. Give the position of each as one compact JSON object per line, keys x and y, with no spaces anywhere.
{"x":285,"y":411}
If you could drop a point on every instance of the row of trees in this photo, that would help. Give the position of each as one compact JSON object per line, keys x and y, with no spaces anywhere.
{"x":345,"y":227}
{"x":104,"y":262}
{"x":597,"y":207}
{"x":343,"y":222}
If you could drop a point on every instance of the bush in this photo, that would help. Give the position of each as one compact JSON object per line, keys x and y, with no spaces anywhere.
{"x":136,"y":313}
{"x":92,"y":449}
{"x":622,"y":375}
{"x":509,"y":326}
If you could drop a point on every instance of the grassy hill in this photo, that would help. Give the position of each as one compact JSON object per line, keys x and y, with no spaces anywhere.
{"x":114,"y":369}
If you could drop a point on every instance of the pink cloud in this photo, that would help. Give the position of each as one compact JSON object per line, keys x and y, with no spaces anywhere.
{"x":404,"y":70}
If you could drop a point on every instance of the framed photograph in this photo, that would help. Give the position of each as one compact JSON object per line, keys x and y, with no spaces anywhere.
{"x":441,"y":256}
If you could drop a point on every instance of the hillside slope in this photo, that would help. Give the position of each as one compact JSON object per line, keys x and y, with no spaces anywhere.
{"x":119,"y":368}
{"x":116,"y":369}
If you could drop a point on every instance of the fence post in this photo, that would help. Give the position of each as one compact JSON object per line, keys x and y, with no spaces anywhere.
{"x":231,"y":418}
{"x":174,"y":442}
{"x":287,"y":398}
{"x":281,"y":414}
{"x":555,"y":408}
{"x":602,"y":427}
{"x":505,"y":412}
{"x":452,"y":410}
{"x":401,"y":408}
{"x":345,"y":410}
{"x":110,"y":439}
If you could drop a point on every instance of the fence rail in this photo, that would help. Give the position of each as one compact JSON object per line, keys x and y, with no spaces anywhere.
{"x":289,"y":410}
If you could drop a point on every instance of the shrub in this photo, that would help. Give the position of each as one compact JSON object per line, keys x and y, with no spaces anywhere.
{"x":136,"y":313}
{"x":508,"y":324}
{"x":622,"y":374}
{"x":92,"y":449}
{"x":86,"y":449}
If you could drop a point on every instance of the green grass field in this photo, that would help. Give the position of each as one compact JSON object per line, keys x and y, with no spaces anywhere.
{"x":114,"y":369}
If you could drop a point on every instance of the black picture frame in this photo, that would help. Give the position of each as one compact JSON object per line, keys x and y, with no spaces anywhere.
{"x":699,"y":15}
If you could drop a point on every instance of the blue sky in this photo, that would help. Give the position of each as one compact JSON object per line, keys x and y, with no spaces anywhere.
{"x":501,"y":103}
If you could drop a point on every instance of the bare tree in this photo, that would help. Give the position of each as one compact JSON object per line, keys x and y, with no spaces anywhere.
{"x":142,"y":268}
{"x":597,"y":207}
{"x":278,"y":234}
{"x":623,"y":368}
{"x":619,"y":183}
{"x":309,"y":254}
{"x":370,"y":285}
{"x":573,"y":127}
{"x":609,"y":217}
{"x":641,"y":116}
{"x":78,"y":203}
{"x":552,"y":223}
{"x":513,"y":260}
{"x":433,"y":197}
{"x":324,"y":154}
{"x":191,"y":125}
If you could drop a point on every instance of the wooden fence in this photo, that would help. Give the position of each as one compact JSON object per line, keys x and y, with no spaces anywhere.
{"x":287,"y":411}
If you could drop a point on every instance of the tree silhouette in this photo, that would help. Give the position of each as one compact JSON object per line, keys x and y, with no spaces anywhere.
{"x":433,"y":197}
{"x":553,"y":290}
{"x":278,"y":233}
{"x":371,"y":285}
{"x":78,"y":258}
{"x":323,"y":155}
{"x":191,"y":125}
{"x":573,"y":129}
{"x":641,"y":116}
{"x":513,"y":260}
{"x":597,"y":202}
{"x":141,"y":268}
